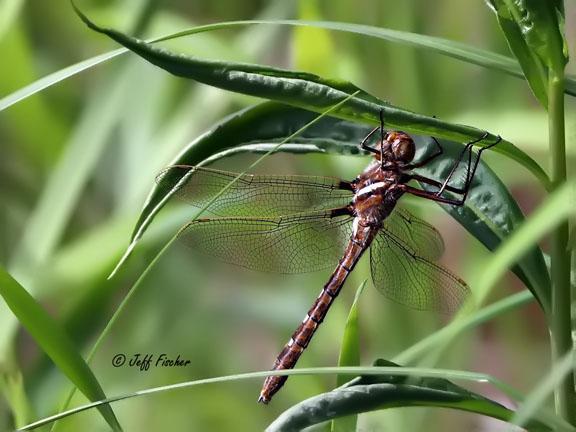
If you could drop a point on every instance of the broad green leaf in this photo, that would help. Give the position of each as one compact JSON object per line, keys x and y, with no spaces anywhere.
{"x":307,"y":91}
{"x":491,"y":215}
{"x":349,"y":356}
{"x":372,"y":393}
{"x":54,"y":342}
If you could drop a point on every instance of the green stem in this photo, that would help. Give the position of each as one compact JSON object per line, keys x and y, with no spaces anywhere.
{"x":565,"y":396}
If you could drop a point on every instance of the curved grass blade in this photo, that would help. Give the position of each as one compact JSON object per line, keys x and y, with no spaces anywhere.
{"x":349,"y":356}
{"x":448,"y":333}
{"x":54,"y":342}
{"x":491,"y":215}
{"x":395,"y":372}
{"x":457,"y":50}
{"x":307,"y":91}
{"x":371,"y":393}
{"x":540,"y":394}
{"x":56,"y":77}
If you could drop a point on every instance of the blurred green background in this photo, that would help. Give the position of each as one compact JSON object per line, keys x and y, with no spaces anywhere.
{"x":78,"y":158}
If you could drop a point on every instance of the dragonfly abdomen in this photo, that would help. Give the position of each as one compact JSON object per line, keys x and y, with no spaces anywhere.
{"x":300,"y":339}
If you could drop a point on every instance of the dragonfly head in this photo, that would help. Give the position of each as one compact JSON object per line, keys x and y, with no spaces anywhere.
{"x":401,"y":147}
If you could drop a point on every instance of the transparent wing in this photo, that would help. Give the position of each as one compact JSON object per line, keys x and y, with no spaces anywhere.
{"x":416,"y":233}
{"x":403,"y":267}
{"x":253,"y":195}
{"x":287,"y":244}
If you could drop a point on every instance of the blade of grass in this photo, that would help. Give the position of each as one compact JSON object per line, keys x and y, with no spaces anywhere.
{"x":461,"y":324}
{"x":457,"y":50}
{"x":349,"y":356}
{"x":54,"y":342}
{"x":364,"y":371}
{"x":350,"y":349}
{"x":537,"y":397}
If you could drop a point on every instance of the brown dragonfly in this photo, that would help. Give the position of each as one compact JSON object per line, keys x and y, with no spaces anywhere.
{"x":295,"y":224}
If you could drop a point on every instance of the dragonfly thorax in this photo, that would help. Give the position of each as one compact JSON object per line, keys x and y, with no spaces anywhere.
{"x":376,"y":192}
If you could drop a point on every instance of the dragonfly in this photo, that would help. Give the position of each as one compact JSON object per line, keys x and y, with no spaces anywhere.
{"x":296,"y":224}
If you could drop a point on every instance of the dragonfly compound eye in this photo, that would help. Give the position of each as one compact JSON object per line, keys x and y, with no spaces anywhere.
{"x":403,"y":147}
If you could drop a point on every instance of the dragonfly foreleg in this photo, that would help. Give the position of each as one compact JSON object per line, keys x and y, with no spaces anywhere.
{"x":365,"y":146}
{"x":470,"y":172}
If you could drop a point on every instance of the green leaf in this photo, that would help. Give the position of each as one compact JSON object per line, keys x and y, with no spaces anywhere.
{"x":491,"y":215}
{"x":393,"y":375}
{"x":534,"y":34}
{"x":556,"y":209}
{"x":54,"y":342}
{"x":349,"y":356}
{"x":307,"y":91}
{"x":538,"y":21}
{"x":371,"y":393}
{"x":533,"y":68}
{"x":350,"y":349}
{"x":447,"y":334}
{"x":457,"y":50}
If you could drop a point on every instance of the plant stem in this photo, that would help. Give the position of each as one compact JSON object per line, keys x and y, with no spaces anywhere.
{"x":565,"y":396}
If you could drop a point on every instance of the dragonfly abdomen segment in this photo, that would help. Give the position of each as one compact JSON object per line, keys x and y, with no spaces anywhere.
{"x":300,"y":339}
